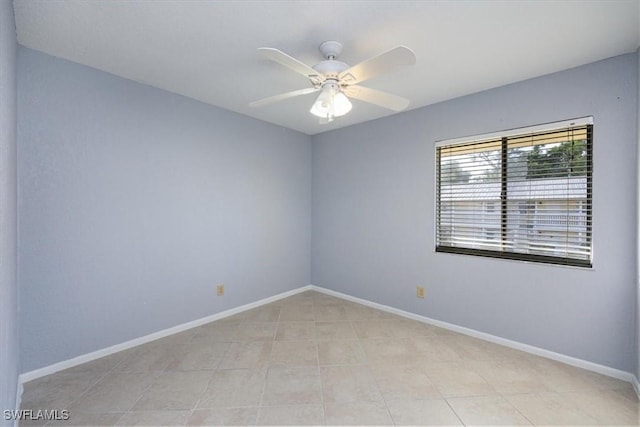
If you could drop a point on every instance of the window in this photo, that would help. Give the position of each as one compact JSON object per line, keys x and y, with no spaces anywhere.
{"x":524,"y":194}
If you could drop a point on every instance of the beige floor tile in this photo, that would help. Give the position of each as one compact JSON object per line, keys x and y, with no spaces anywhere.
{"x":470,"y":348}
{"x":297,"y":312}
{"x":603,"y":382}
{"x":456,"y":379}
{"x":395,"y":351}
{"x":404,"y":382}
{"x":357,"y":312}
{"x":57,"y":391}
{"x":216,"y":331}
{"x":486,"y":410}
{"x":346,"y":384}
{"x":251,"y":354}
{"x":340,"y":352}
{"x":628,"y":392}
{"x":334,"y":330}
{"x":234,"y":388}
{"x":359,"y":413}
{"x":173,"y":391}
{"x":408,"y":328}
{"x":565,"y":378}
{"x":198,"y":355}
{"x":301,"y":298}
{"x":434,"y":349}
{"x":422,"y":413}
{"x":332,"y":313}
{"x":147,"y":358}
{"x":510,"y":376}
{"x":255,"y":331}
{"x":154,"y":418}
{"x":292,"y":386}
{"x":168,"y":343}
{"x":549,"y":409}
{"x":294,"y":415}
{"x":116,"y":392}
{"x":324,"y":299}
{"x":294,"y":353}
{"x":224,"y":417}
{"x":367,"y":329}
{"x":267,"y":313}
{"x":611,"y":407}
{"x":295,"y":331}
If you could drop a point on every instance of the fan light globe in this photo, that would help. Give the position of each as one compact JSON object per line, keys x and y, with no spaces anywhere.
{"x":341,"y":104}
{"x":331,"y":103}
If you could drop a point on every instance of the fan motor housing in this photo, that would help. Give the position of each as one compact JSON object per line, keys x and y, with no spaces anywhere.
{"x":330,"y":68}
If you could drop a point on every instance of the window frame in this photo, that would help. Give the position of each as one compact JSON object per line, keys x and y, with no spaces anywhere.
{"x":501,"y":205}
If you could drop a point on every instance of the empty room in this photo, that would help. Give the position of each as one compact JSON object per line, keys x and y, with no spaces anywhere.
{"x":319,"y":212}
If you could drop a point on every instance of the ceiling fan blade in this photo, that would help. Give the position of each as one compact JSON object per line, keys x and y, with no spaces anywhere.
{"x":381,"y":64}
{"x":276,"y":98}
{"x":377,"y":97}
{"x":291,"y":63}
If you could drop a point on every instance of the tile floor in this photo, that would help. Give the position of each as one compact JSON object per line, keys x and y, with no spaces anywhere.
{"x":315,"y":359}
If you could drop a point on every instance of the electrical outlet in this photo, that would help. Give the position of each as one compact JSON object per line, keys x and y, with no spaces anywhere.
{"x":420,"y":291}
{"x":220,"y":290}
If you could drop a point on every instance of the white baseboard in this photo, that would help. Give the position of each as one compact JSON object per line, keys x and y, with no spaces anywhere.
{"x":590,"y":366}
{"x":636,"y":386}
{"x":56,"y":367}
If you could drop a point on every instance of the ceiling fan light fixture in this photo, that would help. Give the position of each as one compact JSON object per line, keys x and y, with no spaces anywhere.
{"x":331,"y":103}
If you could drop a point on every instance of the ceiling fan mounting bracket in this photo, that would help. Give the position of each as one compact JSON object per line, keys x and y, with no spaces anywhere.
{"x":330,"y":49}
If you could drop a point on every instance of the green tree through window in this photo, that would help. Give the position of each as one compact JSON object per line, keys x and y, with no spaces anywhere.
{"x":563,"y":160}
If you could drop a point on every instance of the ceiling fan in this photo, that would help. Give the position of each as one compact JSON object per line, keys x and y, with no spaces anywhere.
{"x":337,"y":81}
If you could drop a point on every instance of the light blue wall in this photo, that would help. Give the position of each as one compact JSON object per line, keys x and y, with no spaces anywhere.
{"x":135,"y":202}
{"x":373,"y":218}
{"x":9,"y":362}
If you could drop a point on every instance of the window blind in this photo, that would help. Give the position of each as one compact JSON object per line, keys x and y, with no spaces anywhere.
{"x":525,"y":196}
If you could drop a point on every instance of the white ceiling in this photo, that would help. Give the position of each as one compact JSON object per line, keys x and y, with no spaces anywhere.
{"x":207,"y":49}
